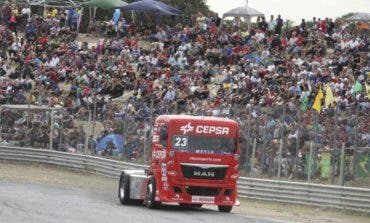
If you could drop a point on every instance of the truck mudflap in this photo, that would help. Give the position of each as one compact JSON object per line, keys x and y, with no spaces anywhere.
{"x":138,"y":181}
{"x":138,"y":186}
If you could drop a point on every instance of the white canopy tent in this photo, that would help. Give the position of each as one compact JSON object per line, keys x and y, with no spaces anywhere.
{"x":242,"y":12}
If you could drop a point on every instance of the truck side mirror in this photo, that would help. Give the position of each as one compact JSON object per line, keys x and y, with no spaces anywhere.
{"x":163,"y":134}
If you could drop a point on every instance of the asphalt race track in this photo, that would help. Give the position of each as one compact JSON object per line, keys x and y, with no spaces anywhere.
{"x":38,"y":203}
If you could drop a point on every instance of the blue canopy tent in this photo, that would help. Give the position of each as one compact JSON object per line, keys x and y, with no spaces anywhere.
{"x":152,"y":6}
{"x":117,"y":140}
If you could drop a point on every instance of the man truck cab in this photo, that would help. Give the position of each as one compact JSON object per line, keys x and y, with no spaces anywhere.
{"x":193,"y":161}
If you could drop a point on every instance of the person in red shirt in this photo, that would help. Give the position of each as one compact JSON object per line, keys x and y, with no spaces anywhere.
{"x":245,"y":50}
{"x":134,"y":43}
{"x":187,"y":30}
{"x":237,"y":49}
{"x":163,"y":58}
{"x":53,"y":75}
{"x":284,"y":41}
{"x":323,"y":26}
{"x":13,"y":24}
{"x":300,"y":40}
{"x":213,"y":28}
{"x":200,"y":39}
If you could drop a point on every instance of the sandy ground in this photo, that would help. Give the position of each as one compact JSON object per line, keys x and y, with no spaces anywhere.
{"x":46,"y":174}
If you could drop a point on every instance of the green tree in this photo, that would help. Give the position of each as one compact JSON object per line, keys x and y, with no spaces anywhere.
{"x":288,"y":26}
{"x":345,"y":16}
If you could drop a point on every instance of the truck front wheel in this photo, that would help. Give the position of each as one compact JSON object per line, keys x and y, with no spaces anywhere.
{"x":225,"y":209}
{"x":124,"y":189}
{"x":150,"y":194}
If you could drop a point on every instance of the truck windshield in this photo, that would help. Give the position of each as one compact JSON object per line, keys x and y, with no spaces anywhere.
{"x":204,"y":144}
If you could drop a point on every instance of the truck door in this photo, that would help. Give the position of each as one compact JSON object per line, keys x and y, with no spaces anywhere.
{"x":159,"y":148}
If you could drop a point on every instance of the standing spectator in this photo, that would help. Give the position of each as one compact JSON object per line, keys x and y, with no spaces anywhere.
{"x":279,"y":25}
{"x":26,"y":12}
{"x":331,"y":26}
{"x":263,"y":24}
{"x":62,"y":19}
{"x":272,"y":25}
{"x":13,"y":24}
{"x":323,"y":26}
{"x":116,"y":18}
{"x":314,"y":24}
{"x":302,"y":26}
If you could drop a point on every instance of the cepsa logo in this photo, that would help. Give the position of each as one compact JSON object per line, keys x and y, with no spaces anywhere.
{"x":205,"y":129}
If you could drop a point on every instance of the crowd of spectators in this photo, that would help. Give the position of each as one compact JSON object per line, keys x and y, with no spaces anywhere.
{"x":194,"y":69}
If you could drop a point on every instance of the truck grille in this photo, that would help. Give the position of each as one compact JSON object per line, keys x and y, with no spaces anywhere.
{"x":200,"y":171}
{"x":203,"y":191}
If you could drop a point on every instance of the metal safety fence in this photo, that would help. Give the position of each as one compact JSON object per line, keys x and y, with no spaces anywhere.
{"x":281,"y":141}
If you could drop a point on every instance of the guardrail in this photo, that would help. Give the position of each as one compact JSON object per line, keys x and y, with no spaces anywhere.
{"x":347,"y":198}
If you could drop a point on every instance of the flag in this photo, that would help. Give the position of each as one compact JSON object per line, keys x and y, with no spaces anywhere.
{"x":357,"y":88}
{"x":325,"y":165}
{"x":363,"y":165}
{"x":367,"y":91}
{"x":304,"y":104}
{"x":329,"y":98}
{"x":317,"y":103}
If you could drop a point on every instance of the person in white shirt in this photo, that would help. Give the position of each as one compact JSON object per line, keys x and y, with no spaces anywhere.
{"x":265,"y":53}
{"x":259,"y":36}
{"x":353,"y":43}
{"x":271,"y":25}
{"x":26,"y":11}
{"x":14,"y":48}
{"x":54,"y":61}
{"x":199,"y":63}
{"x":182,"y":47}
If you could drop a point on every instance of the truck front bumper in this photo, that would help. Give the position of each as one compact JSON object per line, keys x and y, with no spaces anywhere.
{"x":220,"y":193}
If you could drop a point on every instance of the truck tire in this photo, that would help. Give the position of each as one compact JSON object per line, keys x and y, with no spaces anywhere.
{"x":124,"y":189}
{"x":225,"y":209}
{"x":150,"y":194}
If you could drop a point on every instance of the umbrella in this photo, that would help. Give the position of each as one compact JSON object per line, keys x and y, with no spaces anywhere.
{"x":243,"y":12}
{"x":359,"y":17}
{"x":152,"y":6}
{"x":117,"y":140}
{"x":105,"y":4}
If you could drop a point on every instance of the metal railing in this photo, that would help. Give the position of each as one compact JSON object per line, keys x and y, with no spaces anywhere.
{"x":281,"y":141}
{"x":347,"y":198}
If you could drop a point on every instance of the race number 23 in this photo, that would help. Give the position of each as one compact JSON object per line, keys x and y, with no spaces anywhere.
{"x":180,"y":142}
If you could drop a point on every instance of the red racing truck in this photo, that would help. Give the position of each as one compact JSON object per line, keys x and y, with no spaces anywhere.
{"x":194,"y":160}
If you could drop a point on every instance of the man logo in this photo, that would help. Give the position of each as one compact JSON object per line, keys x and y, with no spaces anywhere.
{"x":204,"y":174}
{"x":187,"y":128}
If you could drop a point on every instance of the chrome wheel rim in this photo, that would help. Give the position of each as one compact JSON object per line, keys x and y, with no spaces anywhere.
{"x":150,"y":192}
{"x":121,"y":190}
